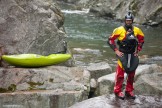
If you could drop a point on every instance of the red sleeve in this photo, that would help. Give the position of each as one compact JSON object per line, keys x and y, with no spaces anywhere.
{"x":111,"y":41}
{"x":140,"y":42}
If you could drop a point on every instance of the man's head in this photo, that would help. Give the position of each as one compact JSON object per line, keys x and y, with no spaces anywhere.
{"x":129,"y":20}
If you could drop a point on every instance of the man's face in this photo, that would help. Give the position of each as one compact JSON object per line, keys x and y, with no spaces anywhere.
{"x":128,"y":22}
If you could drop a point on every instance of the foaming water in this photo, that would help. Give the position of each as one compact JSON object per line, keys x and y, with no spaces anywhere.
{"x":13,"y":106}
{"x":83,"y":11}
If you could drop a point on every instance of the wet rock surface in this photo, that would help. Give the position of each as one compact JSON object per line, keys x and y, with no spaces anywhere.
{"x":110,"y":101}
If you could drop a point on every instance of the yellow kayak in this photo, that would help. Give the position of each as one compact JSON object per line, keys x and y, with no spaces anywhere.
{"x":35,"y":60}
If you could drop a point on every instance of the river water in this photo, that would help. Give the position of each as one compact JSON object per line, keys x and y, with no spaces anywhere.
{"x":87,"y":37}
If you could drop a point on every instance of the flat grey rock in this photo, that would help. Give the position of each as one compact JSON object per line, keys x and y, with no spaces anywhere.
{"x":110,"y":101}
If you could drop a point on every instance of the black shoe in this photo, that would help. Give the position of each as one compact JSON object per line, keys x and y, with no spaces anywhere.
{"x":120,"y":95}
{"x":130,"y":95}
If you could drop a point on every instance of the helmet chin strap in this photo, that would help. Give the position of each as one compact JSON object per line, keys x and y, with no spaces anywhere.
{"x":127,"y":27}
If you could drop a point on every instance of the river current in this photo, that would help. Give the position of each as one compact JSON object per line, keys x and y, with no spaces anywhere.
{"x":87,"y":37}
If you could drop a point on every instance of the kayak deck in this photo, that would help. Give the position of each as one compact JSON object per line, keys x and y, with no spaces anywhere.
{"x":35,"y":60}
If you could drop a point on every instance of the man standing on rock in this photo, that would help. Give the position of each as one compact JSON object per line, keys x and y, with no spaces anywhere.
{"x":130,"y":40}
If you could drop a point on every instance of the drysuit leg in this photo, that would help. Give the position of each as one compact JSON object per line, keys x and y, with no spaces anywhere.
{"x":130,"y":80}
{"x":119,"y":78}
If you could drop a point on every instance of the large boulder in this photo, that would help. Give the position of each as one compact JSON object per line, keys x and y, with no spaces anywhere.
{"x":49,"y":78}
{"x":31,"y":26}
{"x":99,"y":69}
{"x":106,"y":84}
{"x":40,"y":99}
{"x":50,"y":87}
{"x":102,"y":11}
{"x":149,"y":84}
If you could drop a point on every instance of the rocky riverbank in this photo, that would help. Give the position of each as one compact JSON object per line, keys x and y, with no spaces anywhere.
{"x":61,"y":86}
{"x":36,"y":26}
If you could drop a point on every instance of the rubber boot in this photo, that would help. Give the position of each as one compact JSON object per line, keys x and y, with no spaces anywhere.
{"x":120,"y":95}
{"x":130,"y":95}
